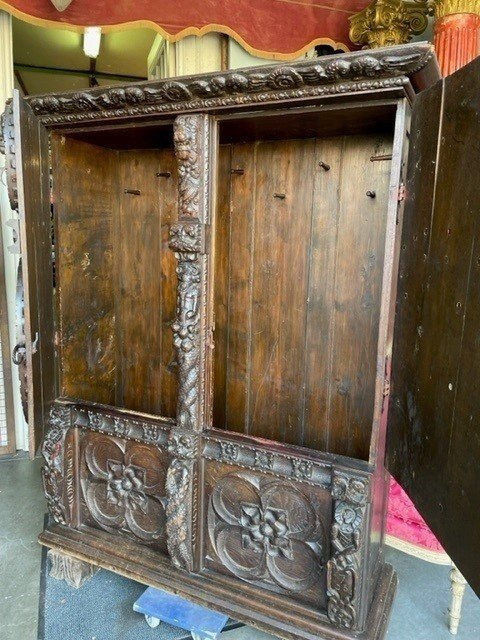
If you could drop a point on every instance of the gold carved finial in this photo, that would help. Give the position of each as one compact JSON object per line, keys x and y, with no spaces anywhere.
{"x":451,"y":7}
{"x":389,"y":22}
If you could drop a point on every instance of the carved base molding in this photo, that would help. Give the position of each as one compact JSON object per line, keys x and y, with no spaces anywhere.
{"x":151,"y":569}
{"x":75,"y":572}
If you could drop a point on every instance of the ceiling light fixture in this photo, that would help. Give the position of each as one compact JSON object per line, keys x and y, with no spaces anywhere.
{"x":91,"y":41}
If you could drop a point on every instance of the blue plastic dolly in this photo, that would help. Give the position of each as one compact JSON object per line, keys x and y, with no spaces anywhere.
{"x":159,"y":606}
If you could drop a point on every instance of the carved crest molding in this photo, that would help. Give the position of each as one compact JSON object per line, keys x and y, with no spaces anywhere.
{"x":355,"y":71}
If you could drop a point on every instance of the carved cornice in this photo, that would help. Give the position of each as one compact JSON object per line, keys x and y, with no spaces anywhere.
{"x":389,"y":22}
{"x":445,"y":8}
{"x":354,"y":71}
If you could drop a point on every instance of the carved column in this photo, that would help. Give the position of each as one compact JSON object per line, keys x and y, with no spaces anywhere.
{"x":457,"y":33}
{"x":191,"y":326}
{"x":389,"y":22}
{"x":351,"y":495}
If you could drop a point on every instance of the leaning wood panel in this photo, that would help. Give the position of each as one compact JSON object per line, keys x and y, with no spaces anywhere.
{"x":358,"y":280}
{"x":32,"y":164}
{"x":84,"y":181}
{"x":434,"y":449}
{"x":145,"y":287}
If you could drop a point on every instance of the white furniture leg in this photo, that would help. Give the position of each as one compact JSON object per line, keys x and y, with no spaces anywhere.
{"x":458,"y":589}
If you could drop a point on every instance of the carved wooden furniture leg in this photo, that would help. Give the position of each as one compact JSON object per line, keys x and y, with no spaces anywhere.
{"x":458,"y":589}
{"x":74,"y":572}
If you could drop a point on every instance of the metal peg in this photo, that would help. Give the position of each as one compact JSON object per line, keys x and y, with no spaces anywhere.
{"x":134,"y":192}
{"x":378,"y":158}
{"x":280,"y":196}
{"x":324,"y":165}
{"x":238,"y":172}
{"x":371,"y":194}
{"x":163,"y":174}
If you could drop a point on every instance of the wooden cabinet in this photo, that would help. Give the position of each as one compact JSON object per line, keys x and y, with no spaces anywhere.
{"x":239,"y":460}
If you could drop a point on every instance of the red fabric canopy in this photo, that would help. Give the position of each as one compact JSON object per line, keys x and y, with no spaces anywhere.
{"x":284,"y":28}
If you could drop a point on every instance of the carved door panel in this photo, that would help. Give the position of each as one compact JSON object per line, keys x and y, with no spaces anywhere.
{"x":29,"y":189}
{"x":433,"y":443}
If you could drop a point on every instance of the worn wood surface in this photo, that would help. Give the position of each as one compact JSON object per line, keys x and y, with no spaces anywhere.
{"x":31,"y":145}
{"x":116,"y":275}
{"x":299,"y":255}
{"x":84,"y":183}
{"x":433,"y":442}
{"x":145,"y":288}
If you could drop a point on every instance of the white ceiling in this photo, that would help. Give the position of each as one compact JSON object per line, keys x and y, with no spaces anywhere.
{"x":122,"y":52}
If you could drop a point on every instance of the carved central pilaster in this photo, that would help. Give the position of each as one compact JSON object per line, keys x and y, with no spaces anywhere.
{"x":187,"y":240}
{"x":389,"y":22}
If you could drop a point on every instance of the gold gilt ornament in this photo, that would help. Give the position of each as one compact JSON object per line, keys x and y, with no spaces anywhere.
{"x":389,"y":22}
{"x":451,"y":7}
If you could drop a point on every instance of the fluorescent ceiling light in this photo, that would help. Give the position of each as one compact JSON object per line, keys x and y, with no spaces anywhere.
{"x":91,"y":41}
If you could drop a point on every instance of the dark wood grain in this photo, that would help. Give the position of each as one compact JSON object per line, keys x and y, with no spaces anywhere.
{"x":300,"y":309}
{"x":145,"y":289}
{"x":433,"y":447}
{"x":32,"y":161}
{"x":84,"y":180}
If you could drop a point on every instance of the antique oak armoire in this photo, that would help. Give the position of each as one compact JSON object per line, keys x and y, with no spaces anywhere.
{"x":238,"y":460}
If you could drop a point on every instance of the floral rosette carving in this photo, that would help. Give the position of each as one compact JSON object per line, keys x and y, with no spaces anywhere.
{"x":266,"y":532}
{"x":123,"y":486}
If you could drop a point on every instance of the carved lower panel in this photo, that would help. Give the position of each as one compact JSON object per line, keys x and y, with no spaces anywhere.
{"x":267,"y":531}
{"x":346,"y":565}
{"x":123,"y":488}
{"x":74,"y":572}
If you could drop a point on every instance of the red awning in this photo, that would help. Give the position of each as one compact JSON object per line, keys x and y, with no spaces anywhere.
{"x":270,"y":28}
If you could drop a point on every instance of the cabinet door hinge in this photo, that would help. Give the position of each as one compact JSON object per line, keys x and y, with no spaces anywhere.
{"x":401,"y":192}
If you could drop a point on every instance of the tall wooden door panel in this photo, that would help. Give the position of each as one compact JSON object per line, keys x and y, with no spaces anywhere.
{"x":434,"y":444}
{"x":31,"y":195}
{"x":296,"y":342}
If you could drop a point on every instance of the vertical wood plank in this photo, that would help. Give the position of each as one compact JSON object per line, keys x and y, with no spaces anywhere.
{"x":282,"y":231}
{"x":145,"y":292}
{"x":360,"y":253}
{"x":240,"y":287}
{"x":221,"y":292}
{"x":319,"y":327}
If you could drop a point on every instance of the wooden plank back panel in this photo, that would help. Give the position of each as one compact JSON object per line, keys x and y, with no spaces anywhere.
{"x":145,"y":288}
{"x":305,"y":251}
{"x":84,"y":179}
{"x":358,"y":281}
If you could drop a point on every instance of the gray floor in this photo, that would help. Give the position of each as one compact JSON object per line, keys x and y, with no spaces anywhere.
{"x":420,"y":611}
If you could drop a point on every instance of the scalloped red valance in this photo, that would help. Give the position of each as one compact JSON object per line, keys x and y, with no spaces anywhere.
{"x":269,"y":28}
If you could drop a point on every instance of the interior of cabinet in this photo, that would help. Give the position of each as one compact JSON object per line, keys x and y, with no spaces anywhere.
{"x":115,"y":275}
{"x":299,"y":251}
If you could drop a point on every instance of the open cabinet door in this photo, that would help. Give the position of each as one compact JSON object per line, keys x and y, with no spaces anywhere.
{"x":434,"y":422}
{"x":33,"y":186}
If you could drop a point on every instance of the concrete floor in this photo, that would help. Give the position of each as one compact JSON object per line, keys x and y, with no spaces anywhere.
{"x":420,"y":611}
{"x":22,"y":510}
